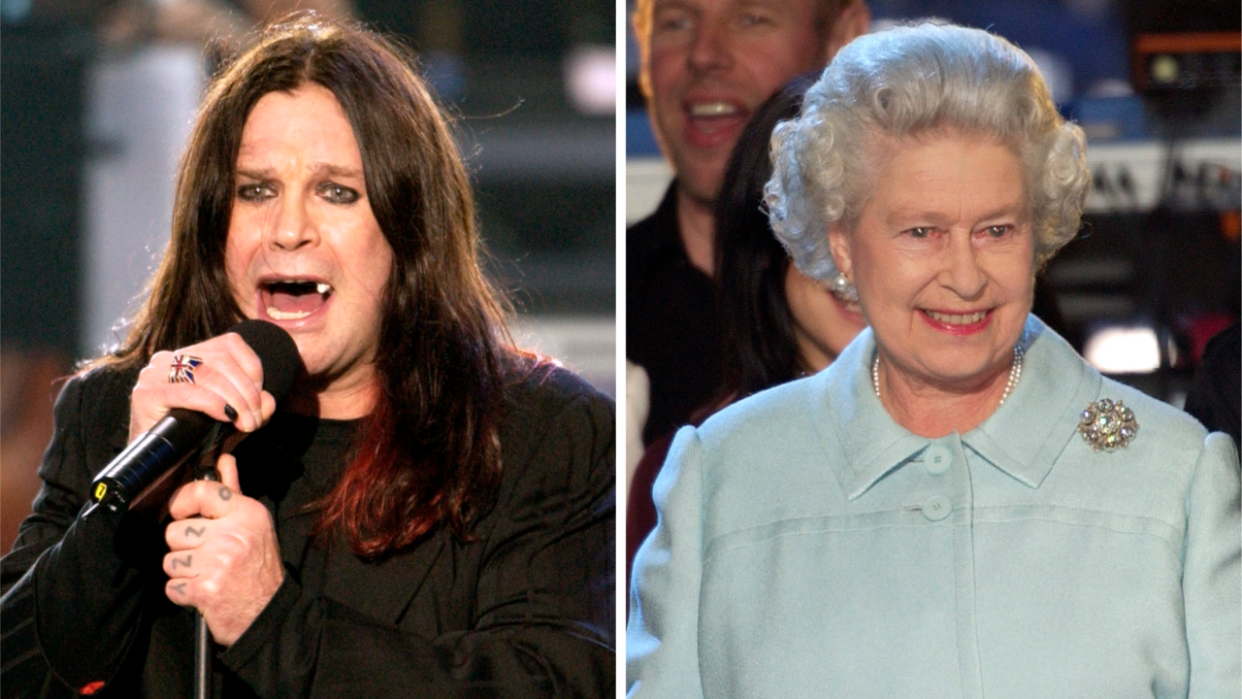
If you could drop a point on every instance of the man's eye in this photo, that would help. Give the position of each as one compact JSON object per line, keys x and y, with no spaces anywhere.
{"x":338,"y":194}
{"x":254,"y":192}
{"x":675,"y":24}
{"x":753,"y":20}
{"x":671,"y":22}
{"x":920,"y":233}
{"x":997,"y":231}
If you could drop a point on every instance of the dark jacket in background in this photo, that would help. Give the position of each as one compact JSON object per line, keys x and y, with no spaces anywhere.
{"x":1214,"y":398}
{"x":672,"y":327}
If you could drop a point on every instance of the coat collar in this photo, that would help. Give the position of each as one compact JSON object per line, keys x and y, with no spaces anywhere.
{"x":126,"y":379}
{"x":381,"y":589}
{"x":1023,"y":437}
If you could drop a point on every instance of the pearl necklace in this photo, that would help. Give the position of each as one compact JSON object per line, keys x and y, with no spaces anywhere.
{"x":1015,"y":372}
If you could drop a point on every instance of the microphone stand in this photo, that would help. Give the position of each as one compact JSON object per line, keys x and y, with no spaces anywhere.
{"x":208,"y":455}
{"x":202,"y":658}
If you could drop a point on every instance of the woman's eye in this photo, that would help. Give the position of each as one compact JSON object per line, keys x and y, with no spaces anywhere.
{"x":753,"y":20}
{"x":997,"y":231}
{"x":254,"y":192}
{"x":338,"y":194}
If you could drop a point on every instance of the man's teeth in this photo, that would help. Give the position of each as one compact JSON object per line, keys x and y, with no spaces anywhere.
{"x":954,"y":319}
{"x":286,"y":315}
{"x":711,"y":109}
{"x":298,"y":287}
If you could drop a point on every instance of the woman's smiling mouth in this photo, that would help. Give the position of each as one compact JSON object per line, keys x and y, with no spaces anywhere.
{"x":957,"y":318}
{"x":957,"y":323}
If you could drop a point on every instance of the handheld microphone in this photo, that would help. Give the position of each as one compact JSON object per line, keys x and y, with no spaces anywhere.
{"x":180,"y":433}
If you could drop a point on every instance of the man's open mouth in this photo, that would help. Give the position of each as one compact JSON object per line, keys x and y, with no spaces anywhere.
{"x":712,"y":109}
{"x":708,"y":117}
{"x":293,"y":299}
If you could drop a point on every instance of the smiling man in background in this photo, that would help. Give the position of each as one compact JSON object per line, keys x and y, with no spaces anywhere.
{"x":706,"y":65}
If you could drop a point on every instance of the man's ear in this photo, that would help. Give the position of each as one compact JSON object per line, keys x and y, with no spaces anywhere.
{"x":839,"y":245}
{"x":641,"y":22}
{"x":851,"y":23}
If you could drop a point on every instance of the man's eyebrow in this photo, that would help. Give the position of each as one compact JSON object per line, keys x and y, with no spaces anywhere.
{"x":319,"y":168}
{"x":680,"y":5}
{"x":338,"y":170}
{"x":254,"y":174}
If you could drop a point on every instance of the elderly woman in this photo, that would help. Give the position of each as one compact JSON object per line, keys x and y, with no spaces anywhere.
{"x":959,"y":505}
{"x":777,"y":323}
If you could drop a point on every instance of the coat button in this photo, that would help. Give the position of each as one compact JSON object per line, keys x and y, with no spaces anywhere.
{"x":937,"y":459}
{"x":937,"y":508}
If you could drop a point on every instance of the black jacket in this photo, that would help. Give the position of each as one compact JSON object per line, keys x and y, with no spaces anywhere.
{"x":527,"y":609}
{"x":672,"y":324}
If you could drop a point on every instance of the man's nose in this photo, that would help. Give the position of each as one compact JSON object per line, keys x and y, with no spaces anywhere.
{"x":712,"y":49}
{"x":294,"y":226}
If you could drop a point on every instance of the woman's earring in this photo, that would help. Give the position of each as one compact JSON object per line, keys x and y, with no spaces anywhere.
{"x":841,"y":287}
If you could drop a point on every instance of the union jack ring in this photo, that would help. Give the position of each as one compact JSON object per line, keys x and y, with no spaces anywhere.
{"x":182,"y":369}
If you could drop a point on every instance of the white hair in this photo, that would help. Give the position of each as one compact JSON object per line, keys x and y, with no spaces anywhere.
{"x":908,"y":81}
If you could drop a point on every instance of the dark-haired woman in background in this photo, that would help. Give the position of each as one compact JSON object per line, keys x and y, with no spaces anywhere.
{"x":777,"y":323}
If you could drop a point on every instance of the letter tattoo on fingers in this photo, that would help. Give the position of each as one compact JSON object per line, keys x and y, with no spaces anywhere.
{"x":225,"y":493}
{"x":191,"y":531}
{"x":180,"y":588}
{"x":177,"y":562}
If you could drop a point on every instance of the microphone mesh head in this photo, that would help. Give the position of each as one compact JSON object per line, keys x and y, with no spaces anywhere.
{"x":277,"y":352}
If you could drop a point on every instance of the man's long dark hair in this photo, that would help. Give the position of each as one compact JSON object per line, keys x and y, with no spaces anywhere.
{"x":429,"y":452}
{"x":761,"y":347}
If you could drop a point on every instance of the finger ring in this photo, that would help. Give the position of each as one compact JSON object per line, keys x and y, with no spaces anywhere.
{"x":182,"y":369}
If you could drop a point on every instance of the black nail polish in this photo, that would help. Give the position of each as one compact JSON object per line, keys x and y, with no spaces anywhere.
{"x":231,"y":412}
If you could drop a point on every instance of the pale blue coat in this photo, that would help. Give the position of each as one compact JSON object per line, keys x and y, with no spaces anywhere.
{"x":808,"y":546}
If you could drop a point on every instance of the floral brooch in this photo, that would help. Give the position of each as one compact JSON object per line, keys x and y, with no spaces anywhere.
{"x":1107,"y":424}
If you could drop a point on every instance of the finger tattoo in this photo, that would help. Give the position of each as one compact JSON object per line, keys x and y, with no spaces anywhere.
{"x":191,"y":531}
{"x":180,"y":588}
{"x":225,"y":493}
{"x":178,"y":562}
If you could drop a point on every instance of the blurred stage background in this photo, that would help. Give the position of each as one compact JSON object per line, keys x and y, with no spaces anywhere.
{"x":1155,"y":85}
{"x":97,"y":99}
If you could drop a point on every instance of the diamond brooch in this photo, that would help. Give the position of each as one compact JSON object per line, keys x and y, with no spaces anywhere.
{"x":1107,"y":424}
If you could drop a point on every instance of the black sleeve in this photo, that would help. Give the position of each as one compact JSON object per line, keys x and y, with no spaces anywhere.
{"x":71,"y":598}
{"x":543,"y":597}
{"x":1217,"y":390}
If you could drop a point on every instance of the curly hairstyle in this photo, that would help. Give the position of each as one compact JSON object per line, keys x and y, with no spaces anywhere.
{"x":429,"y":453}
{"x":905,"y":82}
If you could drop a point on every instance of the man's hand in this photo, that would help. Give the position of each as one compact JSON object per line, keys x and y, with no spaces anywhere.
{"x":225,"y":558}
{"x":230,"y":374}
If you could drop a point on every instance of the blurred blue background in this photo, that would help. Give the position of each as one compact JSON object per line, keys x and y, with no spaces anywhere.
{"x":1155,"y":85}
